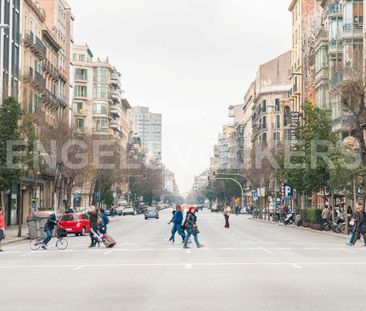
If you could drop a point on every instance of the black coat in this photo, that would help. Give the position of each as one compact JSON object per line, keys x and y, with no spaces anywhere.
{"x":51,"y":222}
{"x":93,"y":221}
{"x":361,"y":220}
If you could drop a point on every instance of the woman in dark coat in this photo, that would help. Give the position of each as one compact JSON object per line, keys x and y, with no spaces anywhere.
{"x":93,"y":217}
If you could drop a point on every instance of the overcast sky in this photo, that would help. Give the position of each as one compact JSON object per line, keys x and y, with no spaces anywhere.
{"x":188,"y":59}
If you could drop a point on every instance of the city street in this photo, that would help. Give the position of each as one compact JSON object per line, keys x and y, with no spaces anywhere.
{"x":252,"y":266}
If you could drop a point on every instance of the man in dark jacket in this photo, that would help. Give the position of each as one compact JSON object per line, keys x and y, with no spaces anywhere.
{"x":48,"y":229}
{"x":177,"y":223}
{"x":359,"y":226}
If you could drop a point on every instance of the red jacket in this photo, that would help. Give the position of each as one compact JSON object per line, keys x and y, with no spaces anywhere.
{"x":2,"y":222}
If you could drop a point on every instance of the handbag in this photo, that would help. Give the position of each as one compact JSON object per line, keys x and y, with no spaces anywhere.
{"x":195,"y":230}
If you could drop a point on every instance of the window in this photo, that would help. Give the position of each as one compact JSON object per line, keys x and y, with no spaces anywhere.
{"x":100,"y":124}
{"x":358,"y":14}
{"x":79,"y":107}
{"x":277,"y":105}
{"x":264,"y":137}
{"x":81,"y":58}
{"x":81,"y":74}
{"x":101,"y":74}
{"x":101,"y":90}
{"x":99,"y":108}
{"x":276,"y":136}
{"x":278,"y":122}
{"x":80,"y":124}
{"x":80,"y":91}
{"x":264,"y":106}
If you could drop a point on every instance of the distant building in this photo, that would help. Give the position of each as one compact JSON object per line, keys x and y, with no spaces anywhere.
{"x":148,"y":126}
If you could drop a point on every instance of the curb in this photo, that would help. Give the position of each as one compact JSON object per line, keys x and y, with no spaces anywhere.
{"x":330,"y":234}
{"x":14,"y":241}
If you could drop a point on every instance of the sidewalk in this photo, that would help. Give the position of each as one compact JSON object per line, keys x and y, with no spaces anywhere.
{"x":328,"y":233}
{"x":11,"y":234}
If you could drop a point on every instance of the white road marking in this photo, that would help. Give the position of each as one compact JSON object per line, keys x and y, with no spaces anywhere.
{"x":296,"y":266}
{"x":188,"y":251}
{"x":188,"y":266}
{"x":28,"y":254}
{"x":108,"y":252}
{"x":202,"y":264}
{"x":345,"y":250}
{"x":266,"y":250}
{"x":78,"y":268}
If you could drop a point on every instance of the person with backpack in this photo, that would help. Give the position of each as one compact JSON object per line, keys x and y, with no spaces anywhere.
{"x":102,"y":225}
{"x":190,"y":225}
{"x":177,"y":224}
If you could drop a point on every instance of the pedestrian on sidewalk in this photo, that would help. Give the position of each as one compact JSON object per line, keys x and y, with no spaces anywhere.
{"x":191,"y":226}
{"x":227,"y":212}
{"x":177,"y":224}
{"x":93,"y":216}
{"x":325,"y":216}
{"x":2,"y":227}
{"x":48,"y":229}
{"x":237,"y":206}
{"x":359,"y":227}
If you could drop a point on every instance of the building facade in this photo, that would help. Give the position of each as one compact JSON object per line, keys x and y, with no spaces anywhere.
{"x":148,"y":126}
{"x":10,"y":42}
{"x":272,"y":88}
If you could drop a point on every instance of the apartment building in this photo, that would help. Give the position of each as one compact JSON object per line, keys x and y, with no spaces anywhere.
{"x":148,"y":126}
{"x":10,"y":42}
{"x":272,"y":89}
{"x":339,"y":58}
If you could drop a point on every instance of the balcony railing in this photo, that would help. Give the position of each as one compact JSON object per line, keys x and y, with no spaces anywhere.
{"x":343,"y":123}
{"x":35,"y":44}
{"x":52,"y":70}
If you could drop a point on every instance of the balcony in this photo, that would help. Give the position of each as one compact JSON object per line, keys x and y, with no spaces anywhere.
{"x":116,"y":95}
{"x":35,"y":44}
{"x":50,"y":69}
{"x":115,"y":79}
{"x":344,"y":123}
{"x":335,"y":46}
{"x":63,"y":74}
{"x":35,"y":78}
{"x":115,"y":124}
{"x":115,"y":110}
{"x":53,"y":100}
{"x":353,"y":31}
{"x":334,"y":10}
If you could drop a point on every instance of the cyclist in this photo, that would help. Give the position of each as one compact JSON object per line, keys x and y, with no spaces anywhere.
{"x":48,"y":229}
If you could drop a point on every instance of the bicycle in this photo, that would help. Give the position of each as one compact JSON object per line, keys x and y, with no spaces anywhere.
{"x":61,"y":242}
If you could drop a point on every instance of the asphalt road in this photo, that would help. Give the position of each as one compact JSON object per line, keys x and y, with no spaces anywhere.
{"x":251,"y":266}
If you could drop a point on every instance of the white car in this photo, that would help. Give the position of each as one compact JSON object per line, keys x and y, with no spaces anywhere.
{"x":129,"y":211}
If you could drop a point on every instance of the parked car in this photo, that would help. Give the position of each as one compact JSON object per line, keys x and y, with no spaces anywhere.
{"x":119,"y":212}
{"x":129,"y":211}
{"x":151,"y":212}
{"x":77,"y":223}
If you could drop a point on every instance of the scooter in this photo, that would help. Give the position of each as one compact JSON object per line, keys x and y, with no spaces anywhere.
{"x":289,"y":218}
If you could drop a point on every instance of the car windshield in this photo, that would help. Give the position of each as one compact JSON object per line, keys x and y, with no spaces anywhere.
{"x":151,"y":209}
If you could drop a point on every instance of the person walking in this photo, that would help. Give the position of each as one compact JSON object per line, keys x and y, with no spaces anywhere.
{"x":2,"y":227}
{"x":325,"y":216}
{"x":237,"y":206}
{"x":102,"y":226}
{"x":191,"y":226}
{"x":177,"y":224}
{"x":48,"y":229}
{"x":227,"y":212}
{"x":359,"y":227}
{"x":93,"y":217}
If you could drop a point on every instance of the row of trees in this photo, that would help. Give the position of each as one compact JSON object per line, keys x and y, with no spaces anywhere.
{"x":70,"y":158}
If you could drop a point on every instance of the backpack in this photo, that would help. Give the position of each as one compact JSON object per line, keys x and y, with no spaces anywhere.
{"x":105,"y":219}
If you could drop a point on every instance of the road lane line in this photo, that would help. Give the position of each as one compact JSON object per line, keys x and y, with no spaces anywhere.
{"x":203,"y":264}
{"x":266,"y":250}
{"x":28,"y":254}
{"x":296,"y":266}
{"x":345,"y":250}
{"x":188,"y":266}
{"x":78,"y":268}
{"x":108,"y":252}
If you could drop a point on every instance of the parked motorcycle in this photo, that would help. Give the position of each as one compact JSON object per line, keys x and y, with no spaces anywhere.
{"x":289,"y":218}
